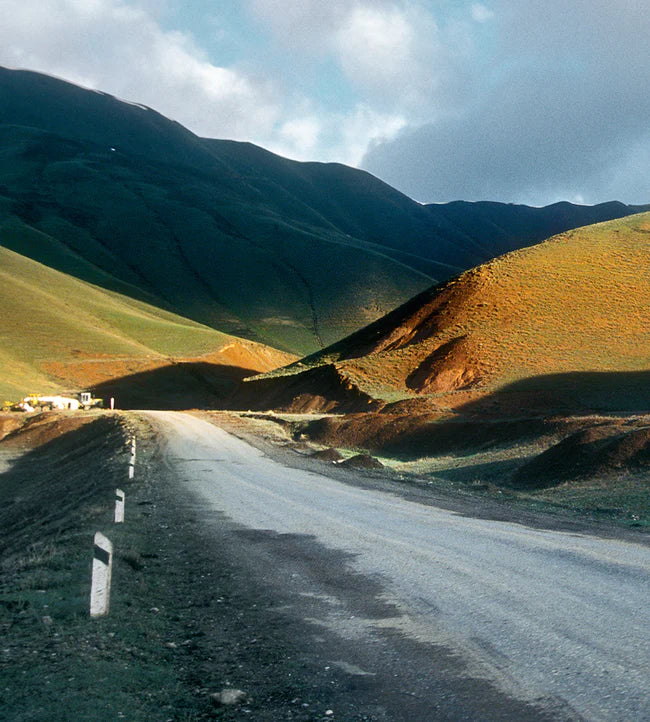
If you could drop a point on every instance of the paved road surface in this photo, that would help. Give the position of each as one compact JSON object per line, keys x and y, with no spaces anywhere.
{"x":545,"y":617}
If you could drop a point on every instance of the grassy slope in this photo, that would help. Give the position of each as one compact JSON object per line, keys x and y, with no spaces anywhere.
{"x":570,"y":313}
{"x":50,"y":318}
{"x":293,"y":254}
{"x":579,"y":302}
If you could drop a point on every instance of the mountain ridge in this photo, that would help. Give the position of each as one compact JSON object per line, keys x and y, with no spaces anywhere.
{"x":295,"y":255}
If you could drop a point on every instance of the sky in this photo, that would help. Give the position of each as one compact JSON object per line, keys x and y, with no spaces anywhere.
{"x":505,"y":100}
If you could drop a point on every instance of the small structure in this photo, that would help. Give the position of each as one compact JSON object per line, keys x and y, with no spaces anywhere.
{"x":73,"y":402}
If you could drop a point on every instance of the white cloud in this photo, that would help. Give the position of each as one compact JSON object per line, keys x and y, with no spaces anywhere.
{"x":390,"y":51}
{"x":378,"y":49}
{"x":481,"y":14}
{"x":119,"y":48}
{"x":335,"y":137}
{"x":299,"y":137}
{"x":364,"y":127}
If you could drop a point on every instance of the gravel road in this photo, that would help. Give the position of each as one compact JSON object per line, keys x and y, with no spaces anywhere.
{"x":555,"y":622}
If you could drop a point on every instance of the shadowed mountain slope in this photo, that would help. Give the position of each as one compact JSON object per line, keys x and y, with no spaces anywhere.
{"x":292,"y":254}
{"x":574,"y":305}
{"x":57,"y":332}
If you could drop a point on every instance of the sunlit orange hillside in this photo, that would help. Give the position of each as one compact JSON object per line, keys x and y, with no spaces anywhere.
{"x":577,"y":303}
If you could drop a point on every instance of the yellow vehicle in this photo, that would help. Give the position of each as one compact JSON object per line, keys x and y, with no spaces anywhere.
{"x":41,"y":402}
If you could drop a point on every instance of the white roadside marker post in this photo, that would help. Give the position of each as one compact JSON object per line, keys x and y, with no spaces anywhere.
{"x":119,"y":506}
{"x":100,"y":588}
{"x":112,"y":403}
{"x":132,"y":461}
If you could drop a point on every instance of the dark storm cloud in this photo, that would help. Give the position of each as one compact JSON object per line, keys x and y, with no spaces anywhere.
{"x":563,"y":114}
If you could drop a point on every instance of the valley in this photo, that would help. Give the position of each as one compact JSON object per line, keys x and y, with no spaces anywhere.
{"x":164,"y":270}
{"x":292,"y":255}
{"x":416,"y":436}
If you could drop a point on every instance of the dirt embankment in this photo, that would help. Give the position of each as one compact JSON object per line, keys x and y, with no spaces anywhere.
{"x":594,"y":466}
{"x":594,"y":452}
{"x":56,"y":473}
{"x":10,"y":423}
{"x":411,"y":436}
{"x":321,"y":389}
{"x":58,"y":486}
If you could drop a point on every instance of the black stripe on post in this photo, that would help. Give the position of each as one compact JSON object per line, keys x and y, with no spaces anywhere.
{"x":102,"y":555}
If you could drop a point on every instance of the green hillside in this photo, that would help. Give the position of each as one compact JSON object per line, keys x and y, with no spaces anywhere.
{"x":52,"y":324}
{"x":293,"y":254}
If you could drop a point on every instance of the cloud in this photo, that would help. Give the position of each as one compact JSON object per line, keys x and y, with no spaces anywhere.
{"x":121,"y":49}
{"x":389,"y":51}
{"x":480,"y":13}
{"x":558,"y":110}
{"x":334,"y":136}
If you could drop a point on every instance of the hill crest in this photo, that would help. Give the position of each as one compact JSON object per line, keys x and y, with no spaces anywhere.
{"x":578,"y":303}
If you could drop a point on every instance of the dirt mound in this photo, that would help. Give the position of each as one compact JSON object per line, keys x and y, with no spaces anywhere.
{"x":362,"y":461}
{"x":331,"y":455}
{"x":322,"y":389}
{"x":9,"y":423}
{"x":595,"y":452}
{"x":169,"y":383}
{"x":413,"y":436}
{"x":42,"y":428}
{"x":452,"y":366}
{"x":248,"y":355}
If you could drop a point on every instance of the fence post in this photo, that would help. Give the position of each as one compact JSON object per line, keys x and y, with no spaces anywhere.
{"x":100,"y":587}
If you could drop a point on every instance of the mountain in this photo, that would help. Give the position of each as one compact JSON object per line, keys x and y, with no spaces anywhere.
{"x":296,"y":255}
{"x":561,"y":326}
{"x":58,"y":333}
